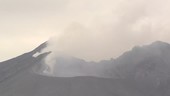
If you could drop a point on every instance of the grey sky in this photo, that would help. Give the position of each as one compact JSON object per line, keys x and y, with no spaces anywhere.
{"x":90,"y":29}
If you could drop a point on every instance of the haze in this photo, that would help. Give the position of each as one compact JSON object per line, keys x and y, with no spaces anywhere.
{"x":88,"y":29}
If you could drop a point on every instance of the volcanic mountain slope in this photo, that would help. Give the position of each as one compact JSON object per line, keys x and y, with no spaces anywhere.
{"x":135,"y":70}
{"x":19,"y":79}
{"x":151,"y":62}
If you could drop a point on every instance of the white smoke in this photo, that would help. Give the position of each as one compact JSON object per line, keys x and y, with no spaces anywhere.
{"x":101,"y":29}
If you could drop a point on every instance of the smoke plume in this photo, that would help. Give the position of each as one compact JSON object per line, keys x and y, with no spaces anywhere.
{"x":95,"y":30}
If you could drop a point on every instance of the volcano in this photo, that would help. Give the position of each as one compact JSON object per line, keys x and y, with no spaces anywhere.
{"x":142,"y":71}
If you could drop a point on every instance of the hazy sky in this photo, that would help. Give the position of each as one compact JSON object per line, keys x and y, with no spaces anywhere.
{"x":89,"y":29}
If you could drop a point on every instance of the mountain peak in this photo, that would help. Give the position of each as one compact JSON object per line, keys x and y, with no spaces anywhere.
{"x":40,"y":47}
{"x":160,"y":43}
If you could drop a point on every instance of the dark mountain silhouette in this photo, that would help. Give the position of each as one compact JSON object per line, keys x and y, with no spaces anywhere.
{"x":143,"y":71}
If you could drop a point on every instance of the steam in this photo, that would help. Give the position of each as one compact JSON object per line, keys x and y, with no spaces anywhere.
{"x":95,"y":30}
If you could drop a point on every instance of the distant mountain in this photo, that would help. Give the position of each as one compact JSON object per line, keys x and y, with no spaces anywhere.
{"x":143,"y":71}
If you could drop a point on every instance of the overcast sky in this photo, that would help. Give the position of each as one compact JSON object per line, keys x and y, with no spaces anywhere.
{"x":89,"y":29}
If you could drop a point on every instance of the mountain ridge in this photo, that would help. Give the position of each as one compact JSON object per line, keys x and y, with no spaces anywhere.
{"x":143,"y":71}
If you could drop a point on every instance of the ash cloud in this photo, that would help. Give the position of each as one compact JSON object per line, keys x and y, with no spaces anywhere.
{"x":104,"y":29}
{"x":95,"y":30}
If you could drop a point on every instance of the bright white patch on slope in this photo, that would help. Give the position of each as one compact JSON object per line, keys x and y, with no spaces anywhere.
{"x":36,"y":54}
